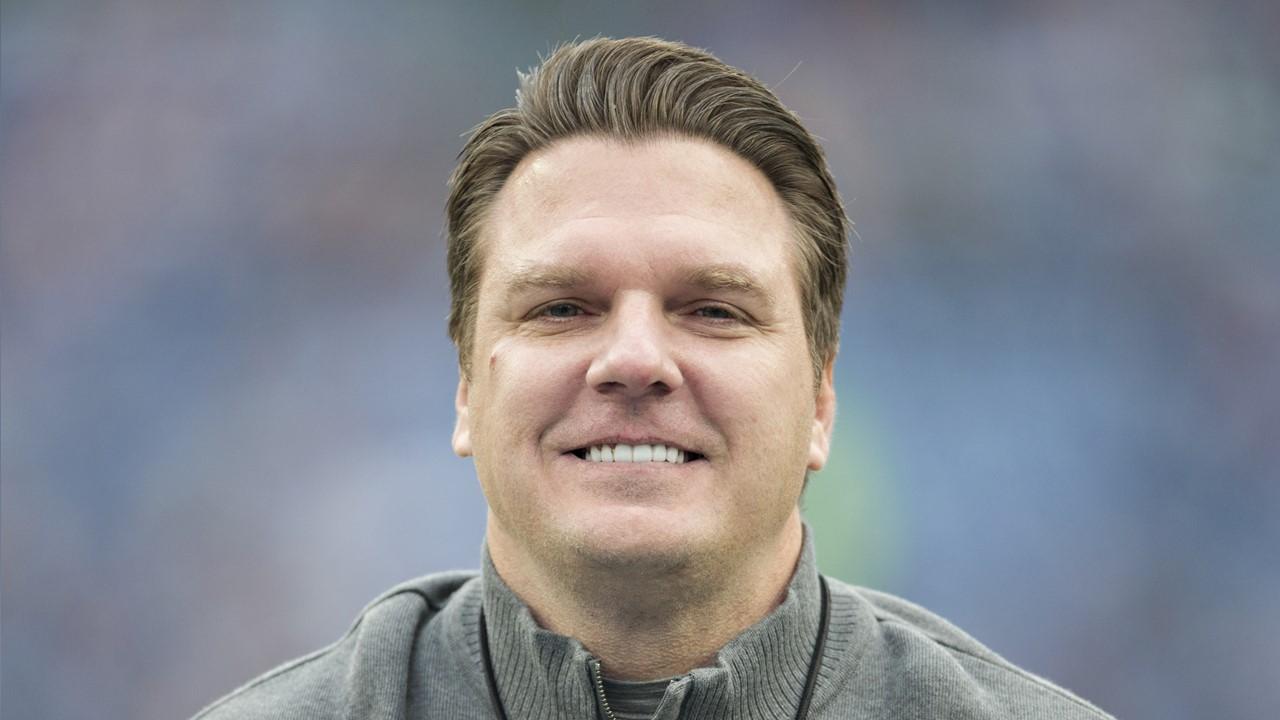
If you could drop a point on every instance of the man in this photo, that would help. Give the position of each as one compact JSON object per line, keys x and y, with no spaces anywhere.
{"x":647,"y":257}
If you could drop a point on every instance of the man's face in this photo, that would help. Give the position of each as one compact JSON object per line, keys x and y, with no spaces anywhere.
{"x":636,"y":296}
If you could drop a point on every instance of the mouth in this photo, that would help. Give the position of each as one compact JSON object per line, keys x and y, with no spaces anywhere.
{"x":636,"y":453}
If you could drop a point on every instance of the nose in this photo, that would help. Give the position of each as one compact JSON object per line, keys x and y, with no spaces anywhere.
{"x":635,"y":357}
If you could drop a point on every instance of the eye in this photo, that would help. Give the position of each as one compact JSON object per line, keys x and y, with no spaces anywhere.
{"x":560,"y":311}
{"x":717,"y":313}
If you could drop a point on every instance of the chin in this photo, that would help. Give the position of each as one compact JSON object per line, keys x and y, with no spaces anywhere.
{"x":640,"y":541}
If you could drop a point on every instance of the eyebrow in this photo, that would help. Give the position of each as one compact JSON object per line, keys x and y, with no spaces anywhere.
{"x":710,"y":278}
{"x":544,"y":277}
{"x":728,"y":276}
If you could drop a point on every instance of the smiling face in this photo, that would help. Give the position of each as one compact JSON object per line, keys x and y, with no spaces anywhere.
{"x":635,"y":296}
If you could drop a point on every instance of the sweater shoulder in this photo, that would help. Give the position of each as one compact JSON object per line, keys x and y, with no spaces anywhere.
{"x":328,"y":683}
{"x":928,"y":659}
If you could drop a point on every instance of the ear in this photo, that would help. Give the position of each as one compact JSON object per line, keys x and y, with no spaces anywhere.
{"x":824,"y":417}
{"x":462,"y":423}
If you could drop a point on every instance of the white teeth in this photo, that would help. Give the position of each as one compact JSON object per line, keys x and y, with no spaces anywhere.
{"x":635,"y":453}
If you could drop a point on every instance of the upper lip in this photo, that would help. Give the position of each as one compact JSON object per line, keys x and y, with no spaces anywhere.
{"x":634,"y":440}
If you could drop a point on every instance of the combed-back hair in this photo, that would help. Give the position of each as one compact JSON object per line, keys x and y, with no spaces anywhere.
{"x":634,"y":89}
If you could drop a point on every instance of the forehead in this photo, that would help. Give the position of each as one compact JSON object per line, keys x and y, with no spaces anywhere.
{"x":685,"y":196}
{"x":646,"y":175}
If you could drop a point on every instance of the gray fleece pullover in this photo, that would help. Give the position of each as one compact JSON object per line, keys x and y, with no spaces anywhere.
{"x":414,"y":653}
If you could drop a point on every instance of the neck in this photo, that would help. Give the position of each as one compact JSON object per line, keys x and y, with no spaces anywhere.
{"x":645,"y":625}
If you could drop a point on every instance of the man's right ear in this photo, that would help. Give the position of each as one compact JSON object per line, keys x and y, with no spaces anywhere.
{"x":462,"y":422}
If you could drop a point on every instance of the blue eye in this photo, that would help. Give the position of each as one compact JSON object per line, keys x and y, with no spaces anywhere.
{"x":715,"y":312}
{"x":562,"y":310}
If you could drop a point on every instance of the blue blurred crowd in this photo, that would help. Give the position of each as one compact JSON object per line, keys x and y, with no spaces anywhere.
{"x":226,"y":390}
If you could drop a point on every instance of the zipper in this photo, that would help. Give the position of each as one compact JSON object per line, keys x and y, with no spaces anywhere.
{"x":599,"y":683}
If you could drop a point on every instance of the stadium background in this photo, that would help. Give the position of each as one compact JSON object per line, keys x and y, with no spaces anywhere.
{"x":226,"y":390}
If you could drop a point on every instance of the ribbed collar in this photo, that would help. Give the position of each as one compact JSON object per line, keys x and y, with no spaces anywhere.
{"x":759,"y":674}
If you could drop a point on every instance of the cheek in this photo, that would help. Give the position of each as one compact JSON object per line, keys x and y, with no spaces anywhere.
{"x":497,"y":356}
{"x":765,"y":410}
{"x":521,"y":387}
{"x":500,"y":360}
{"x":486,"y":394}
{"x":753,"y":392}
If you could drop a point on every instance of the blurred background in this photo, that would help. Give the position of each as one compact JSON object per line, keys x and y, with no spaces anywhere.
{"x":226,"y":389}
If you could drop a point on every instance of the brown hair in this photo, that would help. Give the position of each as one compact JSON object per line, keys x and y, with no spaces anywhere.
{"x":638,"y":88}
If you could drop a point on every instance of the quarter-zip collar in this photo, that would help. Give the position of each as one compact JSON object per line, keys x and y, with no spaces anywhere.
{"x":759,"y":674}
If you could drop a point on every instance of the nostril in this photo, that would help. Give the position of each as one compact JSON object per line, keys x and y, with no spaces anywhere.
{"x":656,"y":388}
